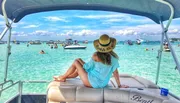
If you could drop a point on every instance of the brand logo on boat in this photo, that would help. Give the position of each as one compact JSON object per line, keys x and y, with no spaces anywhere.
{"x":139,"y":99}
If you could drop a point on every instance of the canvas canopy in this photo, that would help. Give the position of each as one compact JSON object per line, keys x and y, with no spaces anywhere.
{"x":17,"y":9}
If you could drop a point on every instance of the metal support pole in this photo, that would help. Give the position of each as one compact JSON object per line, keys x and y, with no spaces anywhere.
{"x":172,"y":52}
{"x":47,"y":95}
{"x":8,"y":26}
{"x":8,"y":52}
{"x":5,"y":30}
{"x":164,"y":33}
{"x":20,"y":91}
{"x":160,"y":53}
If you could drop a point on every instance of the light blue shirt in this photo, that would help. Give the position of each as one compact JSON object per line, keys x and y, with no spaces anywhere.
{"x":99,"y":74}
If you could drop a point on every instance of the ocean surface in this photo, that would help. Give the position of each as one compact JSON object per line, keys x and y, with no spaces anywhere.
{"x":26,"y":63}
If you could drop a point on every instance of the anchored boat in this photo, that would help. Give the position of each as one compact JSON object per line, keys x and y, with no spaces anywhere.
{"x":1,"y":42}
{"x":50,"y":42}
{"x":72,"y":91}
{"x":69,"y":44}
{"x":129,"y":42}
{"x":74,"y":47}
{"x":16,"y":42}
{"x":36,"y":42}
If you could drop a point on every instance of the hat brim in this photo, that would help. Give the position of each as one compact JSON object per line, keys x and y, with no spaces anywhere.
{"x":105,"y":49}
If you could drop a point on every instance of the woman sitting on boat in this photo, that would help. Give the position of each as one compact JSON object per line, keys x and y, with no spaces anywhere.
{"x":97,"y":72}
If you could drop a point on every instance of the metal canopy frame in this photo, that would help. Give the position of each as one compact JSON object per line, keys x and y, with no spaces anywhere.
{"x":8,"y":50}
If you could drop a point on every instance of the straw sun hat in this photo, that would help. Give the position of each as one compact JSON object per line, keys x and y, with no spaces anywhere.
{"x":105,"y":43}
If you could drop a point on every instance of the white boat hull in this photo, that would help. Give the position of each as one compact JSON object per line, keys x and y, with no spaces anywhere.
{"x":75,"y":47}
{"x":167,"y":50}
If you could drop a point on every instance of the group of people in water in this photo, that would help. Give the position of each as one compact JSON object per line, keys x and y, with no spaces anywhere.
{"x":51,"y":46}
{"x":55,"y":46}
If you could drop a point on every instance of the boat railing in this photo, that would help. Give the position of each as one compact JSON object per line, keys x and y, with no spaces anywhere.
{"x":20,"y":86}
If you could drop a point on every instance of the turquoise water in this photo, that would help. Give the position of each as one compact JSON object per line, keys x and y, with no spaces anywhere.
{"x":27,"y":64}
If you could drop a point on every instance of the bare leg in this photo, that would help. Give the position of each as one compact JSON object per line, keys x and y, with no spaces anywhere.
{"x":74,"y":75}
{"x":81,"y":61}
{"x":71,"y":72}
{"x":82,"y":74}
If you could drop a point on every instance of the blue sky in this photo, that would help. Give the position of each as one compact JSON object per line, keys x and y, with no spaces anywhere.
{"x":87,"y":25}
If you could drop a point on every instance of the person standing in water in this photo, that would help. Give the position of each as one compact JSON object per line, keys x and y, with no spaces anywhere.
{"x":97,"y":72}
{"x":42,"y":52}
{"x":51,"y":46}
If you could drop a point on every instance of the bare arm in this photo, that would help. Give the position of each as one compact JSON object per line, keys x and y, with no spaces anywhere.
{"x":116,"y":76}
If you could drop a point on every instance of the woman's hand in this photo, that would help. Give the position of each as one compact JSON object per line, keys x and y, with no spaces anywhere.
{"x":123,"y":86}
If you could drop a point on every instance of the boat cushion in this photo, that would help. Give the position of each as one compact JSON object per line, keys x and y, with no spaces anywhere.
{"x":116,"y":95}
{"x":134,"y":81}
{"x":72,"y":90}
{"x":62,"y":93}
{"x":140,"y":91}
{"x":89,"y":94}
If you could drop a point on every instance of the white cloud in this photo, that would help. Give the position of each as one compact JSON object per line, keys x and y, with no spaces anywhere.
{"x":127,"y":19}
{"x":42,"y":33}
{"x":149,"y":29}
{"x":74,"y":27}
{"x":83,"y":32}
{"x":67,"y":33}
{"x":100,"y":16}
{"x":114,"y":20}
{"x":111,"y":18}
{"x":14,"y":33}
{"x":55,"y":19}
{"x":132,"y":31}
{"x":31,"y":26}
{"x":125,"y":32}
{"x":174,"y":31}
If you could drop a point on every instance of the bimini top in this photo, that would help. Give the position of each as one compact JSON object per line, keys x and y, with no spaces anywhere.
{"x":17,"y":9}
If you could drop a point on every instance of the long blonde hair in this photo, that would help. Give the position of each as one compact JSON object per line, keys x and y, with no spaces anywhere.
{"x":106,"y":57}
{"x":114,"y":54}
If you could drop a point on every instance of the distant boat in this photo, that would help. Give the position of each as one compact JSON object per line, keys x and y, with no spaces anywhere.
{"x":138,"y":42}
{"x":55,"y":46}
{"x":70,"y":45}
{"x":129,"y":42}
{"x":167,"y":50}
{"x":174,"y":39}
{"x":85,"y":42}
{"x":50,"y":42}
{"x":16,"y":42}
{"x":36,"y":42}
{"x":74,"y":47}
{"x":1,"y":42}
{"x":58,"y":42}
{"x":166,"y":47}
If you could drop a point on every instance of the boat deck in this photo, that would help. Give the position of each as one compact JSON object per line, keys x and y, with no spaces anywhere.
{"x":29,"y":98}
{"x":73,"y":91}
